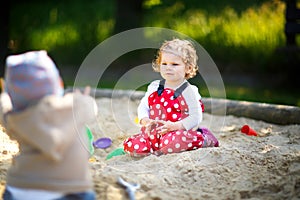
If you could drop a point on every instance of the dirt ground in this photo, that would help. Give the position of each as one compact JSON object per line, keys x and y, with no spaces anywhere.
{"x":243,"y":167}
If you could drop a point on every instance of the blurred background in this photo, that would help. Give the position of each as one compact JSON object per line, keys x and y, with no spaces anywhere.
{"x":246,"y":39}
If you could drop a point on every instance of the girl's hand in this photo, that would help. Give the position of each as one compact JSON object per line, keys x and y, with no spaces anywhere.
{"x":168,"y":126}
{"x":147,"y":123}
{"x":86,"y":91}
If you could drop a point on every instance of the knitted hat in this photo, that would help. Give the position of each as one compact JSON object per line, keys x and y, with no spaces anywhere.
{"x":29,"y":77}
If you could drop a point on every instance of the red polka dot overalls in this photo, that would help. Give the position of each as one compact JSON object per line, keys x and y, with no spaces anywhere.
{"x":165,"y":104}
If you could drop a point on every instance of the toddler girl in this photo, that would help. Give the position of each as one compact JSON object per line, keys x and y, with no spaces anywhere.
{"x":171,"y":110}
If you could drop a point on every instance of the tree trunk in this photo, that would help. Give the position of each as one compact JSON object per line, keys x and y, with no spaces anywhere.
{"x":4,"y":34}
{"x":128,"y":15}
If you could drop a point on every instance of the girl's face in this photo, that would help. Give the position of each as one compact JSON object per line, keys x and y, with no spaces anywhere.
{"x":172,"y":69}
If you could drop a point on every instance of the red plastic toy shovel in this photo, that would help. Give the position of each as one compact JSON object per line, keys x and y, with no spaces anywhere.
{"x":248,"y":131}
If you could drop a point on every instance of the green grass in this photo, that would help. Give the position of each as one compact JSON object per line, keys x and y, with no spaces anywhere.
{"x":241,"y":34}
{"x":232,"y":31}
{"x":68,"y":30}
{"x":264,"y":95}
{"x":248,"y":31}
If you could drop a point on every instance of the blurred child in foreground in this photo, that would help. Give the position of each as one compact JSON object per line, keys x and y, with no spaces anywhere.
{"x":53,"y":156}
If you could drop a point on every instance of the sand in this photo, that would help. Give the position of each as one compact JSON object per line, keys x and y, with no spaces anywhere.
{"x":243,"y":167}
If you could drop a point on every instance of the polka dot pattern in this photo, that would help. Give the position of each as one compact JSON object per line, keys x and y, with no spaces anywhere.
{"x":164,"y":107}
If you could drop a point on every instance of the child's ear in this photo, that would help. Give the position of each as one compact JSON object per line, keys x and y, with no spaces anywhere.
{"x":188,"y":69}
{"x":2,"y":85}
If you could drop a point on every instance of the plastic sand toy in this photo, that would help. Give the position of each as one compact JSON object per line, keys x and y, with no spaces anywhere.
{"x":91,"y":139}
{"x":248,"y":131}
{"x":117,"y":152}
{"x":102,"y":143}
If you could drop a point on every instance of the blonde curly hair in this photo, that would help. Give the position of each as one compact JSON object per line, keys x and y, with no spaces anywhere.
{"x":183,"y":49}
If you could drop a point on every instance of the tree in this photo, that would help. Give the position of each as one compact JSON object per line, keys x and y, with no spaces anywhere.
{"x":4,"y":36}
{"x":128,"y":14}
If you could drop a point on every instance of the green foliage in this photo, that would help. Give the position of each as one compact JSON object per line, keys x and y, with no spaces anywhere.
{"x":259,"y":94}
{"x":68,"y":30}
{"x":243,"y":34}
{"x":232,"y":31}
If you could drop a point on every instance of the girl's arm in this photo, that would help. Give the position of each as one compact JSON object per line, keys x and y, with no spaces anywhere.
{"x":143,"y":108}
